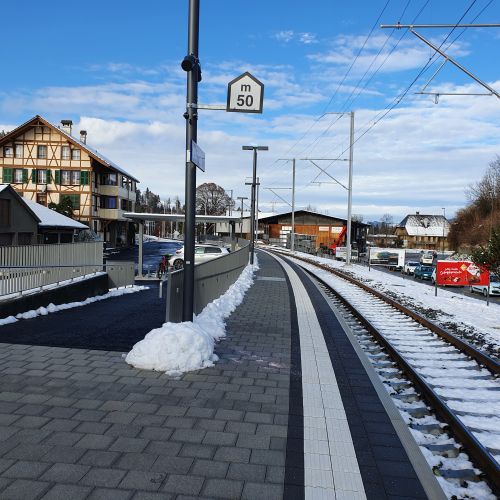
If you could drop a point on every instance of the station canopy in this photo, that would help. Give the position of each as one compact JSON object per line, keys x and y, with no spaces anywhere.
{"x":143,"y":217}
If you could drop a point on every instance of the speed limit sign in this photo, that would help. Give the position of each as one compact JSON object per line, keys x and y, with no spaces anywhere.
{"x":245,"y":94}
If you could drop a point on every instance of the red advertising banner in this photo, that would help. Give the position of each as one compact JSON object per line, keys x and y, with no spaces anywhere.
{"x":460,"y":273}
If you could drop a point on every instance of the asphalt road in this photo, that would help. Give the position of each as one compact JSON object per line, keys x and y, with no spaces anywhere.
{"x":114,"y":324}
{"x":151,"y":256}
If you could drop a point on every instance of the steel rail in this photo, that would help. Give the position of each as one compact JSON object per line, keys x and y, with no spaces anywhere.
{"x":483,"y":359}
{"x":479,"y":454}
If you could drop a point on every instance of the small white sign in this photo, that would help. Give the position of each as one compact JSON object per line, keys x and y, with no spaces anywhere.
{"x":197,"y":156}
{"x":245,"y":94}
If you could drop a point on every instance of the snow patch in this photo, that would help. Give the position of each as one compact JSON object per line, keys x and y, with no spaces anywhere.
{"x":175,"y":348}
{"x":52,"y":308}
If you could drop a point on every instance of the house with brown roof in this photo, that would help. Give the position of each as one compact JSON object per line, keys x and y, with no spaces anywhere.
{"x":45,"y":163}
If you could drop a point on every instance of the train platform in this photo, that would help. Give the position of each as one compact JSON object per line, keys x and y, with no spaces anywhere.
{"x":291,"y":410}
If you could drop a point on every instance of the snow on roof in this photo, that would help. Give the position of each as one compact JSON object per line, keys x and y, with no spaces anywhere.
{"x":51,"y":218}
{"x":425,"y":225}
{"x":3,"y":186}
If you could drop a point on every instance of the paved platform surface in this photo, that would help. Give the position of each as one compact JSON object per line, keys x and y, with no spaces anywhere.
{"x":79,"y":423}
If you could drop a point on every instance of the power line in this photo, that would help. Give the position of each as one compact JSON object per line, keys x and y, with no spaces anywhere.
{"x":381,"y":115}
{"x":339,"y":85}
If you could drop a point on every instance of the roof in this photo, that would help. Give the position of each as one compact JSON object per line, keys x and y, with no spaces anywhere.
{"x":144,"y":216}
{"x":17,"y":196}
{"x":91,"y":151}
{"x":309,"y":212}
{"x":46,"y":217}
{"x":425,"y":225}
{"x":51,"y":218}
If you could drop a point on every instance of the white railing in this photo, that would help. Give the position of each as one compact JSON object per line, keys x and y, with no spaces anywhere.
{"x":30,"y":267}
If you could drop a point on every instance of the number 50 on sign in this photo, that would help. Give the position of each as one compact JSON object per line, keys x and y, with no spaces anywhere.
{"x":245,"y":94}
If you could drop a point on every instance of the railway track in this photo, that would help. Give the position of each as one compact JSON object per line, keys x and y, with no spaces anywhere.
{"x":447,"y":391}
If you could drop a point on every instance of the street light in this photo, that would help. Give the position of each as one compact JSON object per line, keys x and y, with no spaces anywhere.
{"x":241,"y":224}
{"x":252,"y":207}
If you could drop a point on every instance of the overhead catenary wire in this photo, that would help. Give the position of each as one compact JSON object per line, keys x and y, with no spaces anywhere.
{"x":396,"y":101}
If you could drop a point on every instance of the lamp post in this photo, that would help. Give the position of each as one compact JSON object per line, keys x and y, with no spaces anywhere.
{"x":241,"y":223}
{"x":252,"y":207}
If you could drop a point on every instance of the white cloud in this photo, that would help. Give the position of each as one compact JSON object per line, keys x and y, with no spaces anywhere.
{"x":284,"y":36}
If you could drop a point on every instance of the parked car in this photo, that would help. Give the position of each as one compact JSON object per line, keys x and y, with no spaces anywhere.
{"x":423,"y":272}
{"x":494,"y":286}
{"x":409,"y":267}
{"x":202,"y":253}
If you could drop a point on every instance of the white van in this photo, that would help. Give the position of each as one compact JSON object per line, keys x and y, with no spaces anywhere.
{"x":427,"y":258}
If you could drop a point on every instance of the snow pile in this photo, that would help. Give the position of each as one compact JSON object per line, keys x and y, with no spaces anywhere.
{"x":176,"y":348}
{"x":448,"y":306}
{"x":52,"y":308}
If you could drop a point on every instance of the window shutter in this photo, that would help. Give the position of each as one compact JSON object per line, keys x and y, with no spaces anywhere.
{"x":84,"y":177}
{"x":34,"y":176}
{"x":48,"y":176}
{"x":57,"y":177}
{"x":7,"y":175}
{"x":25,"y":175}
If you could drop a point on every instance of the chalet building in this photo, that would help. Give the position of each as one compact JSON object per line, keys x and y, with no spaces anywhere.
{"x":45,"y":164}
{"x":327,"y":231}
{"x":424,"y":231}
{"x":24,"y":222}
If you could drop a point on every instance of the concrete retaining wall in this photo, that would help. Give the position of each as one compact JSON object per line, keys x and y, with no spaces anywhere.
{"x":73,"y":292}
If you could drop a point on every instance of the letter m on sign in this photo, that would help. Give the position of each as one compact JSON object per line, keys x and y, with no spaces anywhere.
{"x":245,"y":94}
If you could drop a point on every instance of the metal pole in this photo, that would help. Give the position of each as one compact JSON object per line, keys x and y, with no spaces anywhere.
{"x":293,"y":206}
{"x":252,"y":206}
{"x":349,"y":192}
{"x":241,"y":221}
{"x":257,"y":211}
{"x":193,"y":73}
{"x":141,"y":241}
{"x":444,"y":220}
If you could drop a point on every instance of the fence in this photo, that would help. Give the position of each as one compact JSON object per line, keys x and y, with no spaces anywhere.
{"x":35,"y":266}
{"x":211,"y":280}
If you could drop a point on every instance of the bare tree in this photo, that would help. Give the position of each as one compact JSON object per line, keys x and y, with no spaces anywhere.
{"x":386,"y":223}
{"x":211,"y":199}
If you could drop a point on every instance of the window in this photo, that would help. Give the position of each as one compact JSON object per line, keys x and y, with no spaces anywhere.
{"x":212,"y":250}
{"x":19,"y":150}
{"x":19,"y":176}
{"x":41,"y":152}
{"x":8,"y":152}
{"x":109,"y":180}
{"x":4,"y":212}
{"x":41,"y":198}
{"x":108,"y":202}
{"x":65,"y":153}
{"x":41,"y":176}
{"x":75,"y":154}
{"x":70,"y":177}
{"x":66,"y":177}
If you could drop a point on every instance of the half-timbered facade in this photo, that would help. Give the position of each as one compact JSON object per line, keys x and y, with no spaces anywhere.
{"x":45,"y":163}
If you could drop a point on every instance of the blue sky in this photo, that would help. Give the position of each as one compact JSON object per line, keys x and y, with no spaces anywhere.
{"x":113,"y":67}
